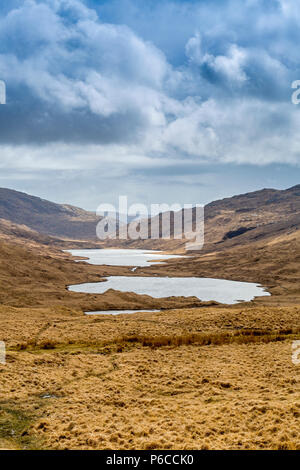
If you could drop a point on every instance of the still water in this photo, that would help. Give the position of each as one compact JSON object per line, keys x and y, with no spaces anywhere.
{"x":138,"y":258}
{"x":227,"y":292}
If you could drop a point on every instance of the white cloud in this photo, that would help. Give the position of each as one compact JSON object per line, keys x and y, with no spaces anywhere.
{"x":72,"y":62}
{"x":193,"y":49}
{"x":231,"y":65}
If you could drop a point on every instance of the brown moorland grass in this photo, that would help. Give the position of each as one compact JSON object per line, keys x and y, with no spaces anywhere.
{"x":232,"y":396}
{"x":32,"y":276}
{"x":199,"y":339}
{"x":211,"y":377}
{"x":64,"y":325}
{"x":201,"y":378}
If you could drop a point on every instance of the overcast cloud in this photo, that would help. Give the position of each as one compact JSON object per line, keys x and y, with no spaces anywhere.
{"x":124,"y":87}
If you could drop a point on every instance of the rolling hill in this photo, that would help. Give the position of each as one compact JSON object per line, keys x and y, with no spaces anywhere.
{"x":235,"y":221}
{"x":55,"y":220}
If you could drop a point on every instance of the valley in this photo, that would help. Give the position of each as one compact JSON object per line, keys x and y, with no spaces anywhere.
{"x":116,"y":381}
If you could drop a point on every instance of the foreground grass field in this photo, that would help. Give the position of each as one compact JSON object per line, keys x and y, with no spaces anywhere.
{"x":202,"y":378}
{"x":208,"y":377}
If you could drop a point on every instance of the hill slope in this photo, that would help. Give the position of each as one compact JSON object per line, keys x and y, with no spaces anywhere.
{"x":57,"y":220}
{"x":268,"y":253}
{"x":236,"y":221}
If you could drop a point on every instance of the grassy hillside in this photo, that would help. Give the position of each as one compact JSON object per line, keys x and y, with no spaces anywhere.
{"x":236,"y":221}
{"x":57,"y":220}
{"x":167,"y":380}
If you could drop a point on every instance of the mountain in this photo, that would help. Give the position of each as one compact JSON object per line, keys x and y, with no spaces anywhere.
{"x":235,"y":221}
{"x":54,"y":220}
{"x":238,"y":220}
{"x":252,"y":216}
{"x":254,"y":237}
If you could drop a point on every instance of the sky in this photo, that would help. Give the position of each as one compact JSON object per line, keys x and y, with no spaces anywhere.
{"x":165,"y":102}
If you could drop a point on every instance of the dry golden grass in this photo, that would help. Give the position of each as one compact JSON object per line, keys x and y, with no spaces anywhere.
{"x":150,"y":381}
{"x":211,"y":377}
{"x":32,"y":276}
{"x":65,"y":325}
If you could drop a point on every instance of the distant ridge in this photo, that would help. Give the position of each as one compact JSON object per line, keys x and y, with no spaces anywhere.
{"x":238,"y":220}
{"x":241,"y":219}
{"x":57,"y":220}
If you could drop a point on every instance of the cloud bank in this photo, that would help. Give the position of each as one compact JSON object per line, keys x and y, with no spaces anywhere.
{"x":148,"y":84}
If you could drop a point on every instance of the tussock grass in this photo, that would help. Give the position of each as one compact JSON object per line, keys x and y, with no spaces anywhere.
{"x":205,"y":339}
{"x":145,"y":381}
{"x":244,"y":336}
{"x":34,"y":345}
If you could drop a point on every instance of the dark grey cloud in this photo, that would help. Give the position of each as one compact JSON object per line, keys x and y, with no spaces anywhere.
{"x":63,"y":66}
{"x":25,"y":119}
